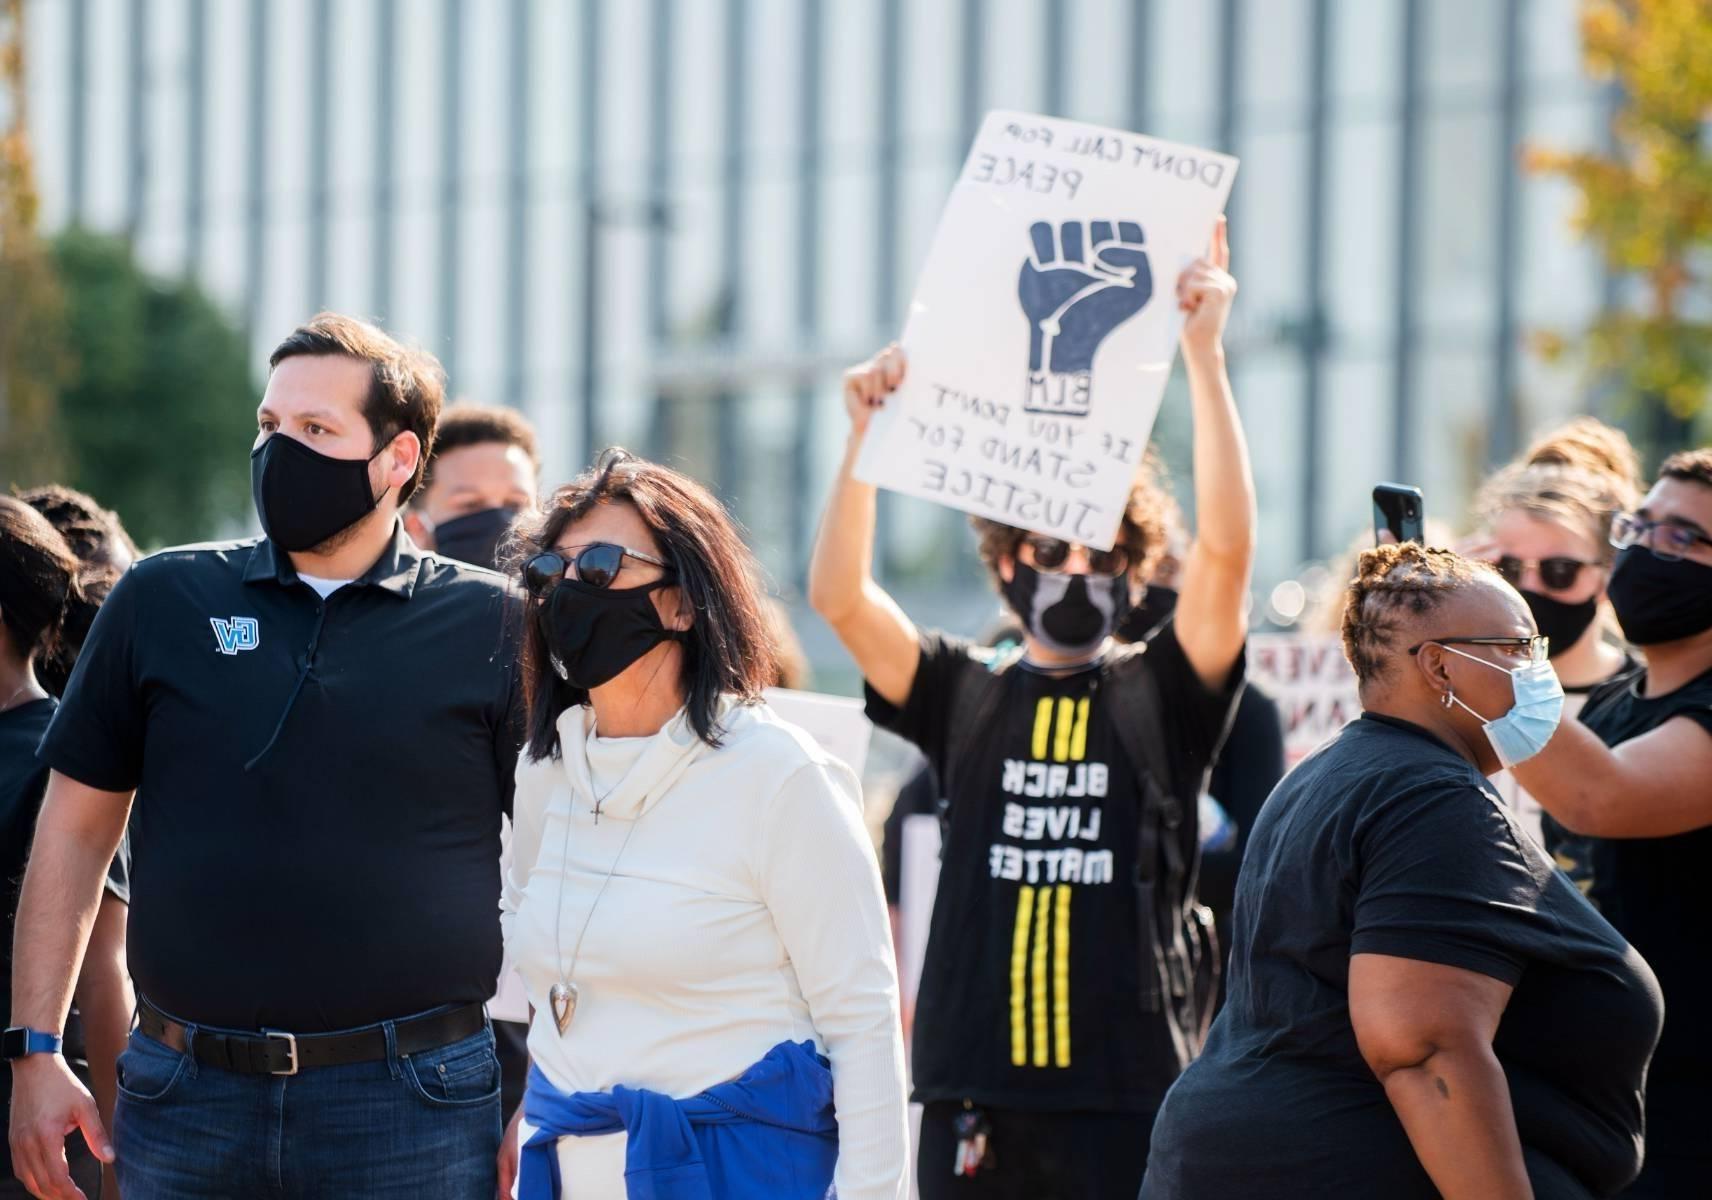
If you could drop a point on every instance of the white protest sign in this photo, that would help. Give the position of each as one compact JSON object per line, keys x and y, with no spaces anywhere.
{"x":1313,"y":683}
{"x":1044,"y":324}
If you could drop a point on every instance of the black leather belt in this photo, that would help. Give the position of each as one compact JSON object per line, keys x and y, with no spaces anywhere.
{"x":274,"y":1053}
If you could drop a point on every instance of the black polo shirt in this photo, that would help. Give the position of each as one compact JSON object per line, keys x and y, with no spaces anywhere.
{"x":319,"y":783}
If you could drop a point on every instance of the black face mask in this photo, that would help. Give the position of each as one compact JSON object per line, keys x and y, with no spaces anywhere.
{"x":1562,"y":623}
{"x":475,"y":537}
{"x":1659,"y":601}
{"x":1068,"y":614}
{"x":1157,"y":605}
{"x":595,"y":633}
{"x":305,"y":497}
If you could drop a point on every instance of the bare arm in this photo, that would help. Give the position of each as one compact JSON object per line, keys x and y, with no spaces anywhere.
{"x":1651,"y":786}
{"x":1426,"y":1031}
{"x":1212,"y":613}
{"x":841,"y":584}
{"x":105,"y":1000}
{"x":77,"y":835}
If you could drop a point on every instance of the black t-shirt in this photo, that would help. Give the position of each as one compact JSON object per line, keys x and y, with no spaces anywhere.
{"x":1031,"y":991}
{"x":1249,"y":767}
{"x":320,"y":783}
{"x":23,"y":783}
{"x":1654,"y":891}
{"x":1385,"y":841}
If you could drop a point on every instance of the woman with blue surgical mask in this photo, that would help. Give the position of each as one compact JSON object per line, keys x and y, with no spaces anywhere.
{"x":1411,"y":982}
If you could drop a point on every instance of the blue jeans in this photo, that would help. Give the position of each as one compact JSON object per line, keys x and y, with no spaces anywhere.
{"x":413,"y":1126}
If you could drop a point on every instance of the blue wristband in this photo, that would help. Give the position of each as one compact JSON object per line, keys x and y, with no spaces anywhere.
{"x":18,"y":1042}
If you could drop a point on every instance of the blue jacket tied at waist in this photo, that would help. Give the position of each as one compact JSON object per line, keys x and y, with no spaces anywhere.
{"x":770,"y":1132}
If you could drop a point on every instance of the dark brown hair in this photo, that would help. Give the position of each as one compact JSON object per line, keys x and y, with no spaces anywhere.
{"x":729,"y":649}
{"x":1692,"y":466}
{"x":1148,"y":513}
{"x":464,"y":425}
{"x":103,"y":549}
{"x":1393,"y":584}
{"x":406,"y":386}
{"x":38,"y":578}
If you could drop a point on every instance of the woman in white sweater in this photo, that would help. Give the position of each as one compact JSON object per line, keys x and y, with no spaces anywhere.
{"x":693,"y":903}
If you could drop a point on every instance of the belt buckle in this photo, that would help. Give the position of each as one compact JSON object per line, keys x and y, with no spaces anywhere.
{"x":290,"y":1040}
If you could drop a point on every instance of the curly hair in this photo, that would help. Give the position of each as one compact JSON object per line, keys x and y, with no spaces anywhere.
{"x":1148,"y":517}
{"x":1391,"y":585}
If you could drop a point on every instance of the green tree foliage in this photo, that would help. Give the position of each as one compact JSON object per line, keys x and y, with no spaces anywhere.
{"x":160,"y":409}
{"x":1647,"y":204}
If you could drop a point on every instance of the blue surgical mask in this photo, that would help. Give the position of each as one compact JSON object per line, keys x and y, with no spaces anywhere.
{"x":1522,"y":732}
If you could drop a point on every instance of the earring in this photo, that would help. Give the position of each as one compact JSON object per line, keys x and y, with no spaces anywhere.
{"x":1448,"y":698}
{"x":559,"y":667}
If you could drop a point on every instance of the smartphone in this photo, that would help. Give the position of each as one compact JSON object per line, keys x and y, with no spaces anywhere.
{"x":1398,"y":511}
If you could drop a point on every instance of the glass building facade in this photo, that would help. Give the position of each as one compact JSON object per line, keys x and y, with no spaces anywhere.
{"x":670,"y":223}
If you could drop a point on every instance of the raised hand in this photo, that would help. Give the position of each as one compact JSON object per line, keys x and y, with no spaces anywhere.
{"x":867,"y":385}
{"x":1081,"y":281}
{"x":1205,"y":291}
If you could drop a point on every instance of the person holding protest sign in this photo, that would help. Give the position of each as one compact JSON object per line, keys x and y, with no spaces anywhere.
{"x":39,"y":590}
{"x":693,"y":901}
{"x":1545,"y":524}
{"x":1058,"y":999}
{"x":1412,"y":984}
{"x":1633,"y":774}
{"x":319,"y":727}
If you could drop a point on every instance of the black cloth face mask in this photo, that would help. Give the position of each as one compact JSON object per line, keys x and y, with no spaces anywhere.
{"x":1561,"y":622}
{"x":594,"y":634}
{"x":1068,"y":614}
{"x":475,"y":537}
{"x":1659,"y":601}
{"x":304,"y":497}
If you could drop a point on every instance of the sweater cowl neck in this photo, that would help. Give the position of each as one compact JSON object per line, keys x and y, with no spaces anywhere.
{"x":628,"y":776}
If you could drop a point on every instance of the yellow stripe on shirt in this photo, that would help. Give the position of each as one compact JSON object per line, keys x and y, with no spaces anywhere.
{"x":1061,"y":977}
{"x":1019,"y":977}
{"x":1043,"y":911}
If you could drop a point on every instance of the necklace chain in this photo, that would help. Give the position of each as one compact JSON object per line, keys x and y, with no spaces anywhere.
{"x":22,"y":688}
{"x":564,"y":864}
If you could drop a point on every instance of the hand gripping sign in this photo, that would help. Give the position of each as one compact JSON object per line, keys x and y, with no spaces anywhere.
{"x":1044,"y":324}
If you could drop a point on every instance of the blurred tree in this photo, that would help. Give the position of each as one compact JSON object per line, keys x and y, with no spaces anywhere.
{"x":1647,"y":203}
{"x":160,"y":413}
{"x":33,"y":362}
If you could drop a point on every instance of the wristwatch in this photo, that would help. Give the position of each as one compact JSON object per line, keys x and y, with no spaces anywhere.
{"x":18,"y":1041}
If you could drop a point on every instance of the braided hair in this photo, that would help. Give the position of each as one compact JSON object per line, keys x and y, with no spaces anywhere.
{"x":1393,"y":584}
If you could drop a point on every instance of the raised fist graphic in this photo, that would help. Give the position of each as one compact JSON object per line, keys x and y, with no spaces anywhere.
{"x":1082,"y":280}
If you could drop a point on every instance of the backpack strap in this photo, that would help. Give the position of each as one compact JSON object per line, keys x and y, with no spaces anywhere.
{"x":975,"y":700}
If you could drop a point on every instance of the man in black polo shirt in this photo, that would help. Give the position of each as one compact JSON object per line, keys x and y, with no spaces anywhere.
{"x":319,"y":727}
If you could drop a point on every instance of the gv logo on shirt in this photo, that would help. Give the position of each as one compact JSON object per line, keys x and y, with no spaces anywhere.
{"x":239,"y":633}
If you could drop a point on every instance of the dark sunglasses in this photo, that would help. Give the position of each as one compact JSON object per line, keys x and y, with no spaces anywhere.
{"x":1556,"y":573}
{"x":597,"y":564}
{"x":1050,"y":554}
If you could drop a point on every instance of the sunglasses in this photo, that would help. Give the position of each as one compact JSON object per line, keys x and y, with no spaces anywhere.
{"x":1537,"y":648}
{"x":596,"y":564}
{"x":1556,"y":573}
{"x":1050,"y":554}
{"x":1666,"y":539}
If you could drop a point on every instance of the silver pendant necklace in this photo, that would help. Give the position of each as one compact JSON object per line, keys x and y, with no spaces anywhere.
{"x":564,"y":994}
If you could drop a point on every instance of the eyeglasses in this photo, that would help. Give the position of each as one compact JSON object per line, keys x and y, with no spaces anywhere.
{"x":1537,"y":648}
{"x":597,"y":564}
{"x":1051,"y":554}
{"x":1666,"y":539}
{"x":1556,"y":573}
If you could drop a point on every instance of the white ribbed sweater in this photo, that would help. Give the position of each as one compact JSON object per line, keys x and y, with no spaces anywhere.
{"x":745,"y":911}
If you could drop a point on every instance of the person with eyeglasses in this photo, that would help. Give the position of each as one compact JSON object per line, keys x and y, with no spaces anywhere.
{"x":1419,"y":1005}
{"x":1061,"y":991}
{"x":693,"y":902}
{"x":1545,"y":524}
{"x":1635,"y":775}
